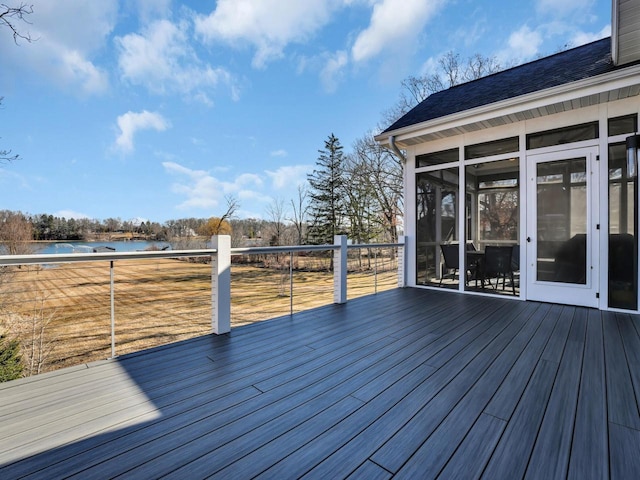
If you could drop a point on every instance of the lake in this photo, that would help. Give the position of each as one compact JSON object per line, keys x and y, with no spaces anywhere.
{"x":87,"y":247}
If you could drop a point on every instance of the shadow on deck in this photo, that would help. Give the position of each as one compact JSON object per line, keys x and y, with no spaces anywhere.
{"x":403,"y":384}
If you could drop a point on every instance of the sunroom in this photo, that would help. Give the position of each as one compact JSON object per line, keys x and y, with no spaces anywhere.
{"x":524,"y":183}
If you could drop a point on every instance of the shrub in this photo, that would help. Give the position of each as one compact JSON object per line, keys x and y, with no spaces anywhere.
{"x":10,"y":364}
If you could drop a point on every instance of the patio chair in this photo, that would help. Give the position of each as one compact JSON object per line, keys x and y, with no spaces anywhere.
{"x":451,"y":260}
{"x":498,"y":264}
{"x":515,"y":258}
{"x":515,"y":263}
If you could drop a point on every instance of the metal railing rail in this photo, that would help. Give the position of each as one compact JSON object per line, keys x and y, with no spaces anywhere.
{"x":55,"y":258}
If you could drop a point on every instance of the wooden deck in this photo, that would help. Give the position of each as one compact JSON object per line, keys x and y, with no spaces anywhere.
{"x":404,"y":384}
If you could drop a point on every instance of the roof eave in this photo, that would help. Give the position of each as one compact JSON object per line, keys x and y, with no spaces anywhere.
{"x":618,"y":79}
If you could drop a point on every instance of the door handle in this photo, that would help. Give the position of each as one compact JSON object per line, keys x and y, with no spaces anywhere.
{"x":528,"y":239}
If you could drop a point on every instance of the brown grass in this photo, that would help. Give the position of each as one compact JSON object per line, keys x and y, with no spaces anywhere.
{"x":156,"y":302}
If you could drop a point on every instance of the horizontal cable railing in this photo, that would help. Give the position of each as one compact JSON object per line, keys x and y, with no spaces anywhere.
{"x":68,"y":309}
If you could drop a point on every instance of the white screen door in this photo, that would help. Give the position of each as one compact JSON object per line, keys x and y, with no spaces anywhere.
{"x":562,"y":241}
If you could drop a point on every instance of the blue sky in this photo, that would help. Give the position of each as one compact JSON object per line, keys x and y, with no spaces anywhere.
{"x":157,"y":109}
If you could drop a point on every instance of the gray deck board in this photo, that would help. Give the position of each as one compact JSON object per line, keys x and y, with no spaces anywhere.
{"x":438,"y":448}
{"x":511,"y":456}
{"x":550,"y":456}
{"x":621,"y":400}
{"x":403,"y":384}
{"x":631,"y":343}
{"x":509,"y":392}
{"x":429,"y":394}
{"x":471,"y":457}
{"x":590,"y":448}
{"x":623,"y":443}
{"x":394,"y":453}
{"x":370,"y":471}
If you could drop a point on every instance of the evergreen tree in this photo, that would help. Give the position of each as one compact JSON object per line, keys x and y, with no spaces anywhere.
{"x":327,"y":206}
{"x":10,"y":365}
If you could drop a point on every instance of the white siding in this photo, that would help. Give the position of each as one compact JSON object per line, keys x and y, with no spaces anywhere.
{"x":627,"y":33}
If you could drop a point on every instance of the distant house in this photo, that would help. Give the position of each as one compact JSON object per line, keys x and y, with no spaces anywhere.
{"x":528,"y":170}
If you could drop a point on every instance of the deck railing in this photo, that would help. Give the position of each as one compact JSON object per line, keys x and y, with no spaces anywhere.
{"x":70,"y":309}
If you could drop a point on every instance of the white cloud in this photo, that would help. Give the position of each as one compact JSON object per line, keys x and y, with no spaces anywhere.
{"x":78,"y":24}
{"x":394,"y":24}
{"x":582,"y":38}
{"x":332,"y":72}
{"x":67,"y":34}
{"x":248,"y":179}
{"x":561,"y":24}
{"x":161,"y":60}
{"x":279,"y":153}
{"x":431,"y":65}
{"x":200,"y":189}
{"x":131,"y":122}
{"x":204,"y":191}
{"x":70,"y":214}
{"x":525,"y":41}
{"x":149,"y":9}
{"x":287,"y":176}
{"x":523,"y":44}
{"x":91,"y":78}
{"x":268,"y":25}
{"x":253,"y":196}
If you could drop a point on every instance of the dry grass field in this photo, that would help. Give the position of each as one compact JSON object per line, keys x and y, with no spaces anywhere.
{"x":63,"y":313}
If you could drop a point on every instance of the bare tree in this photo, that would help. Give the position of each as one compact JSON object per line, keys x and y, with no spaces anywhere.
{"x":16,"y":233}
{"x":277,"y":215}
{"x":363,"y":227}
{"x":36,"y":345}
{"x":232,"y":207}
{"x":31,"y":330}
{"x":479,"y":66}
{"x":382,"y":172}
{"x":299,"y":207}
{"x":11,"y":16}
{"x":6,"y":155}
{"x":450,"y":71}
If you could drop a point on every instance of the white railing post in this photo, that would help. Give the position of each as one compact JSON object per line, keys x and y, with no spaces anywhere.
{"x":113,"y":310}
{"x":402,"y":259}
{"x":221,"y":284}
{"x":291,"y":282}
{"x":375,"y":269}
{"x":340,"y":269}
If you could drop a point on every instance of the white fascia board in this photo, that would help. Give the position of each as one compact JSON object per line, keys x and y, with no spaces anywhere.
{"x":570,"y":91}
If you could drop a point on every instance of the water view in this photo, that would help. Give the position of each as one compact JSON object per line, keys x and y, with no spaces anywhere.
{"x":89,"y":247}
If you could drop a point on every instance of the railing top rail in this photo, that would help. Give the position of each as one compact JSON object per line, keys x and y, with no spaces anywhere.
{"x":99,"y":256}
{"x":376,"y":245}
{"x":306,"y":248}
{"x":50,"y":258}
{"x":291,"y":248}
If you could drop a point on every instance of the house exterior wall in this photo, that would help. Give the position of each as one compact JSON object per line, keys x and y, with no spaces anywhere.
{"x":625,"y":31}
{"x":600,"y":113}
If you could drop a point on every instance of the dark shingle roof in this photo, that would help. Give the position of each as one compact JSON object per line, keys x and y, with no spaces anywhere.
{"x":569,"y":66}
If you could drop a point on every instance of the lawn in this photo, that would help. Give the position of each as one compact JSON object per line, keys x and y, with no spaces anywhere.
{"x":63,"y":312}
